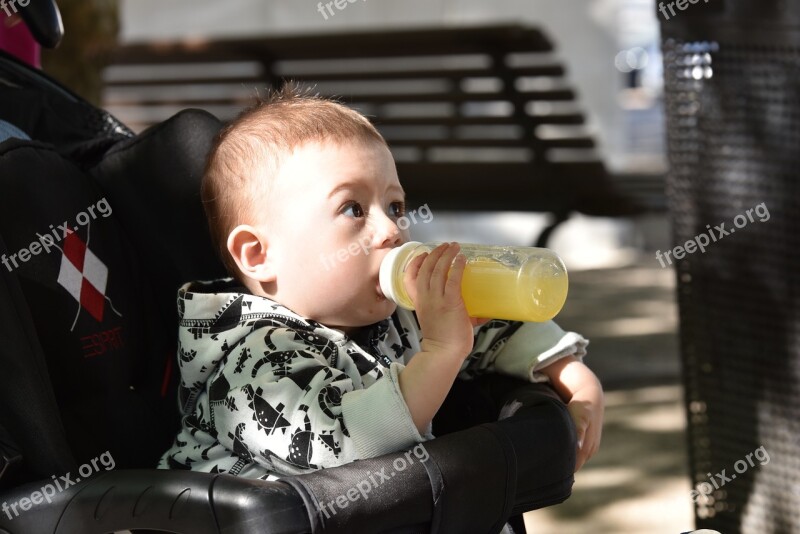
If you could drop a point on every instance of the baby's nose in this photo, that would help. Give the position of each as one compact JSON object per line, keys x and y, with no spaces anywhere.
{"x":388,"y":236}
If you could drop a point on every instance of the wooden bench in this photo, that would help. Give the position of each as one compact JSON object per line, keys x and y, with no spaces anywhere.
{"x":478,"y":118}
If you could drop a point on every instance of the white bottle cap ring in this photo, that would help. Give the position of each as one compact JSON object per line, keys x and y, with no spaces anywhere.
{"x":390,"y":271}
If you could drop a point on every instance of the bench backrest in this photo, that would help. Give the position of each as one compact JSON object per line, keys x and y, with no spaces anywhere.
{"x":478,"y":118}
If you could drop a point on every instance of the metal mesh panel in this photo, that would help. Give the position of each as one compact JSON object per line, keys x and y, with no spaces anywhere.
{"x":733,"y":113}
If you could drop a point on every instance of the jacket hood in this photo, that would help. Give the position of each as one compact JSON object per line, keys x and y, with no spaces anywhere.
{"x":225,"y":310}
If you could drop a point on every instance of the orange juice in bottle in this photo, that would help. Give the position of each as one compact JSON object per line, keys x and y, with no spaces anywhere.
{"x":500,"y":282}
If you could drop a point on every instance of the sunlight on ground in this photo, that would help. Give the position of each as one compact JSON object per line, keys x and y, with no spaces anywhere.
{"x":638,"y":481}
{"x":635,"y":326}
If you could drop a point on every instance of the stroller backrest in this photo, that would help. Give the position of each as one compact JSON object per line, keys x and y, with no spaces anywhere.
{"x":92,"y":252}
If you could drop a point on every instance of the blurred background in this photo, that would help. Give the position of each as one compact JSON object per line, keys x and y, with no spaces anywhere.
{"x":620,"y":296}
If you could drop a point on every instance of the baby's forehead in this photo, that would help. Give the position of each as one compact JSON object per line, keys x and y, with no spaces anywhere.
{"x":310,"y":172}
{"x":324,"y":166}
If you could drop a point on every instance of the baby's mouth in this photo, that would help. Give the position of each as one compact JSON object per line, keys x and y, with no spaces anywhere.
{"x":379,"y":290}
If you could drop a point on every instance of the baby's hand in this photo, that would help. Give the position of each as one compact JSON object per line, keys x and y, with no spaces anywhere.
{"x":446,"y":325}
{"x":578,"y":386}
{"x":586,"y":408}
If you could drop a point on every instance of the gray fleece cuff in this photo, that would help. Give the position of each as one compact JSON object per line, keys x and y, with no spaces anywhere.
{"x":378,"y":418}
{"x":534,"y":346}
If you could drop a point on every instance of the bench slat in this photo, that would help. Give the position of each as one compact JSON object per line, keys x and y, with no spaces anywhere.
{"x":568,"y":142}
{"x":506,"y":38}
{"x":475,"y":186}
{"x":408,"y":98}
{"x":545,"y":94}
{"x":555,"y":118}
{"x":154,"y":82}
{"x":544,"y":70}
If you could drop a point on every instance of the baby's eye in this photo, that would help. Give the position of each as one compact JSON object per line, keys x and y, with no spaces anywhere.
{"x":355,"y":208}
{"x":398,"y":209}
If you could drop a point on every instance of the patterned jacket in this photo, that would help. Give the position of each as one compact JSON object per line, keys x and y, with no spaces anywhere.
{"x":266,"y":393}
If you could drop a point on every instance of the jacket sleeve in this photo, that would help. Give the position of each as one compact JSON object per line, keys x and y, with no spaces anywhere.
{"x":520,"y":349}
{"x":284,"y":406}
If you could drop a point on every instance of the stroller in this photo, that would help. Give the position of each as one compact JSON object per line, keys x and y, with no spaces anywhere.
{"x":98,"y":229}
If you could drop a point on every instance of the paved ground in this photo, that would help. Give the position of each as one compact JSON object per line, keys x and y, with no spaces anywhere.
{"x":638,"y":482}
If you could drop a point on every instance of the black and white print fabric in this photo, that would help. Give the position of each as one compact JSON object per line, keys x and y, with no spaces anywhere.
{"x":262,"y":388}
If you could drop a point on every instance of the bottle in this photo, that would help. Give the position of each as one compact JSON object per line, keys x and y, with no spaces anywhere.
{"x":499,"y":282}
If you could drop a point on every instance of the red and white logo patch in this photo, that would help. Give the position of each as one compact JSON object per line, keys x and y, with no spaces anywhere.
{"x":84,"y":276}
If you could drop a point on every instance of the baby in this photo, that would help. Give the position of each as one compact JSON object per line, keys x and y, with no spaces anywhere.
{"x":296,"y":364}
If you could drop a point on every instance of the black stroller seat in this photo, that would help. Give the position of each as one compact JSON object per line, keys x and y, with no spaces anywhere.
{"x":98,"y":229}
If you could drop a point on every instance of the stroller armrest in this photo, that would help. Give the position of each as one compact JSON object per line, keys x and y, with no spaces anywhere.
{"x":471,"y":480}
{"x":467,"y":481}
{"x":182,"y":502}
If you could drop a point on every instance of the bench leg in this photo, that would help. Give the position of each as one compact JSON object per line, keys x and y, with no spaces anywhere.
{"x":559,"y":217}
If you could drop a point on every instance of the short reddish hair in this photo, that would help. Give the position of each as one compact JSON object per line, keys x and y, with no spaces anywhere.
{"x":248,"y":152}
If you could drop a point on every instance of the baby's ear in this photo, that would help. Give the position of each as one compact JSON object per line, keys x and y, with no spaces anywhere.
{"x":248,"y":247}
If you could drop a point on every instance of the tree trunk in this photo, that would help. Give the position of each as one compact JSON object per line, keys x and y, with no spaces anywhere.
{"x":91,"y":28}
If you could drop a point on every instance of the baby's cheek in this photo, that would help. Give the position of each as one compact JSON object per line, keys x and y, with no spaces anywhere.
{"x":333,"y":275}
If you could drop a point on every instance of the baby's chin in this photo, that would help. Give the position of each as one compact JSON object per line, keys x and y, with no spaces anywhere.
{"x":351,"y":323}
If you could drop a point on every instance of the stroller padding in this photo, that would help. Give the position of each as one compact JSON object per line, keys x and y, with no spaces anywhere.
{"x":489,"y":473}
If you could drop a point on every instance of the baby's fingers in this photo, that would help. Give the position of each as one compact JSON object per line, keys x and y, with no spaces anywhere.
{"x":592,"y":440}
{"x":587,"y":448}
{"x":582,"y":449}
{"x":412,"y":274}
{"x":428,"y":269}
{"x":441,"y":275}
{"x":581,"y":425}
{"x":453,"y":285}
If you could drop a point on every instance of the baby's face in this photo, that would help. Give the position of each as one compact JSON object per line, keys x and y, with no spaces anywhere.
{"x":336,"y":211}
